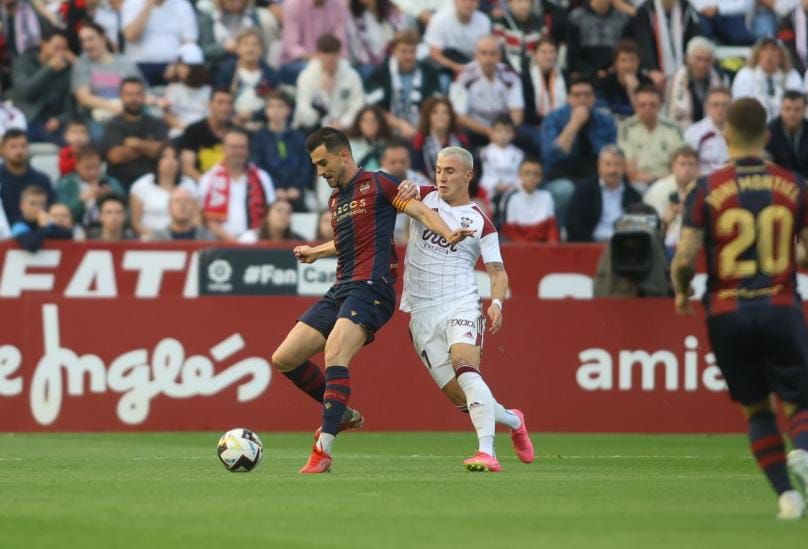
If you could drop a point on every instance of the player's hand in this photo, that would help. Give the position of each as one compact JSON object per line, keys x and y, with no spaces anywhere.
{"x":305,"y":254}
{"x":460,"y":235}
{"x":682,"y":303}
{"x":495,"y":317}
{"x":407,"y":190}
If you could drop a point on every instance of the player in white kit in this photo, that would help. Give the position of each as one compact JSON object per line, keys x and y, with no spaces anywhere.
{"x":446,"y":320}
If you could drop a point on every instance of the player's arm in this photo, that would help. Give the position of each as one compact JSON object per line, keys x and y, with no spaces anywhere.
{"x":432,"y":221}
{"x":683,"y":267}
{"x":499,"y":289}
{"x":309,"y":254}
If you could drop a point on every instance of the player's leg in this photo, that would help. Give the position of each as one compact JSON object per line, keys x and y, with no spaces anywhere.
{"x":291,"y":358}
{"x":502,"y":415}
{"x":739,"y":348}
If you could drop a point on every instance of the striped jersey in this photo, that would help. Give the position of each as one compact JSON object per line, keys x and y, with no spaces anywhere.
{"x":751,"y":212}
{"x":363,"y":216}
{"x":438,"y":273}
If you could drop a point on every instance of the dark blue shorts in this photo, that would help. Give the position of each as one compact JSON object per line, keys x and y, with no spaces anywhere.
{"x":369,"y":303}
{"x":762,"y":350}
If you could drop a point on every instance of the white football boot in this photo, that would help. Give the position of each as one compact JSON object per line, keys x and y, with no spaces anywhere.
{"x":798,"y":466}
{"x":792,"y":506}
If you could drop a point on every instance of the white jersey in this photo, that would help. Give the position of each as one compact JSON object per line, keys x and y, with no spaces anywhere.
{"x":437,"y":273}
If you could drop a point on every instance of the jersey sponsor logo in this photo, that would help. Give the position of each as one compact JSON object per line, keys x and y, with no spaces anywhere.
{"x":354,"y":207}
{"x":436,"y":240}
{"x":462,"y":322}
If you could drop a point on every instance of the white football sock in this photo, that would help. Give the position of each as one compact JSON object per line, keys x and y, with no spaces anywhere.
{"x":506,"y":417}
{"x":480,"y":402}
{"x":325,"y":442}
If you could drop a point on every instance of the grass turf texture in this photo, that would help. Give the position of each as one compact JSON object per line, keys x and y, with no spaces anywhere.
{"x":386,"y":490}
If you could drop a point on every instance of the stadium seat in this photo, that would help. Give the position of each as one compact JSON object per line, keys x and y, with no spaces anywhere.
{"x":565,"y":285}
{"x":305,"y":224}
{"x":45,"y":158}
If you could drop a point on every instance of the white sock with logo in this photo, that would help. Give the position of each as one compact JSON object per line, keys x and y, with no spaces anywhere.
{"x":481,"y":403}
{"x":506,"y":417}
{"x":325,"y":442}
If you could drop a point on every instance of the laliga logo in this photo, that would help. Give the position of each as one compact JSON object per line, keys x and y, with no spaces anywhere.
{"x":171,"y":373}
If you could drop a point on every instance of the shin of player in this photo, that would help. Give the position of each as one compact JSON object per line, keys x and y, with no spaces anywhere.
{"x":750,"y":213}
{"x":442,"y":298}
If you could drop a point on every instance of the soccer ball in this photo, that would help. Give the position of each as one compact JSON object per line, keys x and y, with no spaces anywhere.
{"x":240,"y":450}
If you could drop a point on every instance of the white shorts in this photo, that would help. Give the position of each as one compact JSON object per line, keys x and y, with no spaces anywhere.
{"x":435,"y":330}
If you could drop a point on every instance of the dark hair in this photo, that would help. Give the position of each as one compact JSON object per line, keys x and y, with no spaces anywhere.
{"x":503,"y":120}
{"x":530,"y":159}
{"x":52,"y":33}
{"x":686,"y":151}
{"x":395,"y":143}
{"x":156,"y":172}
{"x":220,"y":89}
{"x":280,"y":95}
{"x":32,"y":190}
{"x":198,"y":76}
{"x":427,"y":107}
{"x":578,"y":79}
{"x":334,"y":140}
{"x":263,"y":231}
{"x":87,"y":151}
{"x":546,"y":39}
{"x":747,"y":118}
{"x":132,"y":80}
{"x":76,"y":122}
{"x":236,"y":129}
{"x":626,"y":45}
{"x":794,"y":95}
{"x":384,"y":128}
{"x":111,"y":197}
{"x":101,"y":31}
{"x":328,"y":43}
{"x":13,"y":133}
{"x":383,"y":7}
{"x":648,"y":88}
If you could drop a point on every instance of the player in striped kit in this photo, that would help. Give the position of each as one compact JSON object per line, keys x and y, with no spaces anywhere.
{"x":441,"y":296}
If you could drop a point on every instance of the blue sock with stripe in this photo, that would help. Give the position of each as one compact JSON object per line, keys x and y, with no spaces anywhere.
{"x":335,"y":401}
{"x":768,"y":448}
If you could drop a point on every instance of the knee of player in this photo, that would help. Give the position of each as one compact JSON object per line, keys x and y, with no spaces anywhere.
{"x":335,"y":354}
{"x":454,"y":393}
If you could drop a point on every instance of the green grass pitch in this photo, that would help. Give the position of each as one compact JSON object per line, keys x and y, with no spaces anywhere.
{"x":386,"y":490}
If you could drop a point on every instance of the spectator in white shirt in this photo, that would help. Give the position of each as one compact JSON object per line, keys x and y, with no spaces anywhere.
{"x":687,"y":88}
{"x":154,"y":31}
{"x":453,"y":33}
{"x":484,"y":90}
{"x":500,"y":160}
{"x":667,"y":195}
{"x":768,"y":74}
{"x":528,"y":214}
{"x":329,"y":91}
{"x":707,"y":135}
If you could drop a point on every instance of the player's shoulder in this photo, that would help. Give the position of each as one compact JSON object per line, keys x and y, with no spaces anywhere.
{"x":482,"y":219}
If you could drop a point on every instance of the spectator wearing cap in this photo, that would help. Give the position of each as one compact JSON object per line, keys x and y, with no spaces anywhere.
{"x":304,"y":22}
{"x":249,"y":78}
{"x":401,"y":84}
{"x":41,"y":87}
{"x":619,"y":87}
{"x":132,"y":140}
{"x":329,"y":90}
{"x":647,"y":139}
{"x":34,"y":224}
{"x":96,"y":77}
{"x":688,"y":87}
{"x":768,"y":74}
{"x":183,"y":210}
{"x":707,"y":135}
{"x":280,"y":151}
{"x":543,"y":83}
{"x":601,"y":200}
{"x":793,"y":32}
{"x":788,"y":134}
{"x":593,"y":31}
{"x":16,"y":173}
{"x":485,"y":89}
{"x":571,"y":139}
{"x":662,"y":29}
{"x":154,"y":31}
{"x":111,"y":220}
{"x":186,"y":98}
{"x":522,"y":25}
{"x":725,"y":20}
{"x":201,"y":143}
{"x":453,"y":33}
